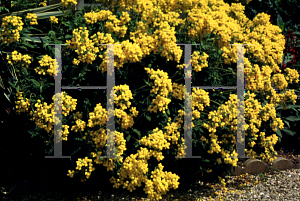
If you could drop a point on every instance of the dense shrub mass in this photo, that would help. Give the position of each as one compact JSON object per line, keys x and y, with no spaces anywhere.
{"x":149,"y":86}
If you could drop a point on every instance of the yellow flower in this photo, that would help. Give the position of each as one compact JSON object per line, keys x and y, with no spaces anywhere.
{"x":53,"y":19}
{"x":43,"y":3}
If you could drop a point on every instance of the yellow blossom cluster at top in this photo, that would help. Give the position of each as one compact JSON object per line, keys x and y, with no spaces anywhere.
{"x":113,"y":24}
{"x":11,"y":22}
{"x":44,"y":3}
{"x":32,"y":18}
{"x":66,"y":3}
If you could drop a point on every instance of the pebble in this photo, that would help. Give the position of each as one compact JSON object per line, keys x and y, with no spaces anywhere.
{"x":284,"y":185}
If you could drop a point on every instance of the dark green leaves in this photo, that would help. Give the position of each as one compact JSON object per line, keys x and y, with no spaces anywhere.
{"x":279,"y":134}
{"x":168,"y":111}
{"x":147,"y":117}
{"x":78,"y":139}
{"x":137,"y":132}
{"x":293,"y":118}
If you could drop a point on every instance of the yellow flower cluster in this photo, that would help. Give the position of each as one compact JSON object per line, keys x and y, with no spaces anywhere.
{"x":21,"y":105}
{"x":65,"y":132}
{"x":98,"y":117}
{"x":53,"y":19}
{"x":106,"y":15}
{"x":155,"y":140}
{"x":162,"y":85}
{"x":226,"y":113}
{"x":80,"y":125}
{"x":292,"y":75}
{"x":172,"y":133}
{"x":226,"y":116}
{"x":280,"y":82}
{"x":199,"y":98}
{"x":68,"y":103}
{"x":66,"y":3}
{"x":161,"y":183}
{"x":78,"y":115}
{"x":83,"y":45}
{"x":82,"y":163}
{"x":288,"y":95}
{"x":127,"y":120}
{"x":196,"y":57}
{"x":44,"y":3}
{"x":99,"y":138}
{"x":135,"y":167}
{"x":32,"y":18}
{"x":178,"y":91}
{"x":11,"y":24}
{"x":42,"y":115}
{"x":268,"y":143}
{"x":47,"y":61}
{"x":125,"y":95}
{"x":17,"y":57}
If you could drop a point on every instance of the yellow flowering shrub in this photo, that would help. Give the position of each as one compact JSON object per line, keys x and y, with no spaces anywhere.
{"x":157,"y":26}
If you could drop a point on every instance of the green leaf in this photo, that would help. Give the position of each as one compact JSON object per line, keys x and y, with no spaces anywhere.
{"x":280,"y":22}
{"x":23,"y":47}
{"x":33,"y":133}
{"x":293,"y":118}
{"x":147,"y":82}
{"x":136,"y":144}
{"x":24,"y":70}
{"x":205,"y":160}
{"x":36,"y":83}
{"x":286,"y":122}
{"x":289,"y":132}
{"x":137,"y":132}
{"x":33,"y":28}
{"x":68,"y":36}
{"x":78,"y":139}
{"x":28,"y":37}
{"x":166,"y":116}
{"x":13,"y":85}
{"x":148,"y":117}
{"x":34,"y":10}
{"x":128,"y":138}
{"x":76,"y":151}
{"x":168,"y":111}
{"x":278,"y":132}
